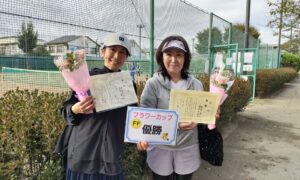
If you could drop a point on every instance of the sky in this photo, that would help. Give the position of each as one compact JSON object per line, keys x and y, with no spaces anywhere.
{"x":127,"y":15}
{"x":235,"y":11}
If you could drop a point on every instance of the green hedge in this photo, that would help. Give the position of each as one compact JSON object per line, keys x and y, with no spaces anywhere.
{"x":269,"y":81}
{"x":30,"y":123}
{"x":238,"y":98}
{"x":291,"y":60}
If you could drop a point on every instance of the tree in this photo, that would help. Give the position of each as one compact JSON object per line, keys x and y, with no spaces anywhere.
{"x":290,"y":10}
{"x":202,"y":37}
{"x":238,"y":36}
{"x":252,"y":30}
{"x":292,"y":46}
{"x":27,"y":38}
{"x":40,"y":51}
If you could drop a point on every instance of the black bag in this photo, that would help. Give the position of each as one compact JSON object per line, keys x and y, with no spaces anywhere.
{"x":61,"y":148}
{"x":210,"y":145}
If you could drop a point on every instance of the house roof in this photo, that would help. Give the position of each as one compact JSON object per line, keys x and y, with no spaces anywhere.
{"x":64,"y":39}
{"x":6,"y":40}
{"x":6,"y":37}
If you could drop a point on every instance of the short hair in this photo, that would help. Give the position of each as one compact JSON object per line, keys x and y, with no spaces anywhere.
{"x":187,"y":57}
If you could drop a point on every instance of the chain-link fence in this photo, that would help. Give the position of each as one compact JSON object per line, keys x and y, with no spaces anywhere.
{"x":268,"y":57}
{"x":60,"y":26}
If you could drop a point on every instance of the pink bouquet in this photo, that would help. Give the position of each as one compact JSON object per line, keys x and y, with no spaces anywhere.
{"x":74,"y":69}
{"x":221,"y":80}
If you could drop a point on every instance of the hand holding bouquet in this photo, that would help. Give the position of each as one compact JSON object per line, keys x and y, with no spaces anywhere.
{"x":74,"y":69}
{"x":221,"y":80}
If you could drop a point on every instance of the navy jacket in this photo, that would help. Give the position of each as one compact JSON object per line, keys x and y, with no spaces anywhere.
{"x":96,"y":142}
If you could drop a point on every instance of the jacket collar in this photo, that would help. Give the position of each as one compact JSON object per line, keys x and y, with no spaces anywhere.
{"x":108,"y":70}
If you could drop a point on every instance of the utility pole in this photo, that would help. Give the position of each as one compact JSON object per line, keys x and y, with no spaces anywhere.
{"x":279,"y":34}
{"x":247,"y":22}
{"x":151,"y":68}
{"x":193,"y":40}
{"x":140,"y":26}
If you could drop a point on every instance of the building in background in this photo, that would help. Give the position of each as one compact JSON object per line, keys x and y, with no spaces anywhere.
{"x":9,"y":45}
{"x":60,"y":46}
{"x":63,"y":44}
{"x":136,"y":50}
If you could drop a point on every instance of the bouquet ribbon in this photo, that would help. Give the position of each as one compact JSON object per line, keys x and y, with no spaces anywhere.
{"x":221,"y":91}
{"x":81,"y":95}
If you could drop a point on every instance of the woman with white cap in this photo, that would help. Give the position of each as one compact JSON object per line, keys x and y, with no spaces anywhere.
{"x":178,"y":162}
{"x":96,"y":142}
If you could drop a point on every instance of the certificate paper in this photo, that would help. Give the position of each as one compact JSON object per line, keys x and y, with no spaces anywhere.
{"x":157,"y":126}
{"x":112,"y":90}
{"x":196,"y":106}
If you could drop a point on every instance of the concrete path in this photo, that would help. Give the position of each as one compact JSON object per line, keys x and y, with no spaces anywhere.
{"x":263,"y":142}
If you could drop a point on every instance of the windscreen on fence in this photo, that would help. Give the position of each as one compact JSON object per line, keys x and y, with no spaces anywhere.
{"x":54,"y":27}
{"x":33,"y":32}
{"x":268,"y":57}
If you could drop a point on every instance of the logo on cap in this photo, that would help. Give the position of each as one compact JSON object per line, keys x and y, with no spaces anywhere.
{"x":121,"y":38}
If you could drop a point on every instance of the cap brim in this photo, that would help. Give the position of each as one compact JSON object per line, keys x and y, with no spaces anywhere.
{"x":173,"y":47}
{"x":118,"y":45}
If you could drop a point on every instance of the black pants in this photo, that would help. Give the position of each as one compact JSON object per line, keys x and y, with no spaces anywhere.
{"x":173,"y":176}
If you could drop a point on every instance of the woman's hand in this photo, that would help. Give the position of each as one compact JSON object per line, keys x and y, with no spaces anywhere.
{"x":142,"y":145}
{"x":187,"y":125}
{"x":84,"y":106}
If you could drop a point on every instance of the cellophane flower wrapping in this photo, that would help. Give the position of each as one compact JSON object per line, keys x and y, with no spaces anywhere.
{"x":75,"y":72}
{"x":221,"y":80}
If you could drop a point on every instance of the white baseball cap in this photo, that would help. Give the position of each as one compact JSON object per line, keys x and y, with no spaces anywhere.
{"x":174,"y":44}
{"x":117,"y":39}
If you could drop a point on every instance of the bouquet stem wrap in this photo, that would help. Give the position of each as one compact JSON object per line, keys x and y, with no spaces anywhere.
{"x":221,"y":91}
{"x":75,"y":72}
{"x":78,"y":80}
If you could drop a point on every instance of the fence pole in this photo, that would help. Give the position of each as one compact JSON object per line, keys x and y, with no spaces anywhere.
{"x":151,"y":38}
{"x":246,"y":40}
{"x":210,"y":57}
{"x":140,"y":26}
{"x":230,"y":33}
{"x":267,"y":64}
{"x":258,"y":51}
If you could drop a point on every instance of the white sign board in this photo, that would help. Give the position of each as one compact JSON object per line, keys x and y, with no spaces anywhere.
{"x":238,"y":70}
{"x":229,"y":61}
{"x":219,"y":61}
{"x":248,"y":57}
{"x":156,"y":126}
{"x":235,"y":56}
{"x":247,"y":68}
